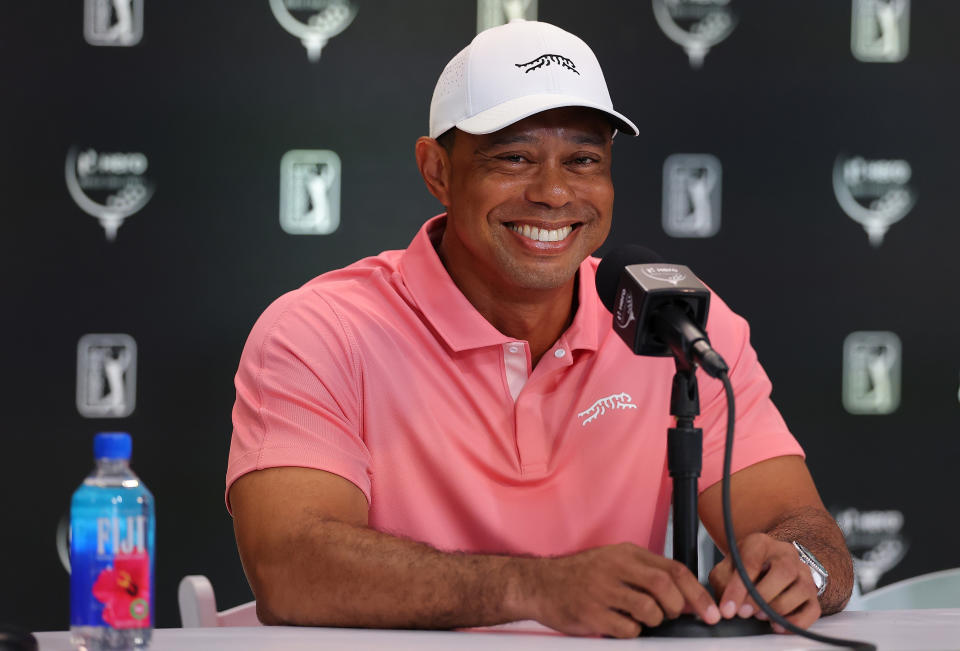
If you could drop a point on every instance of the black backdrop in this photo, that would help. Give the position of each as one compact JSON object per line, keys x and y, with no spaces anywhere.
{"x":215,"y":93}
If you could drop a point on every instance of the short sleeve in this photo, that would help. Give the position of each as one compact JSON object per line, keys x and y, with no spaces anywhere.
{"x":760,"y":431}
{"x":299,"y":394}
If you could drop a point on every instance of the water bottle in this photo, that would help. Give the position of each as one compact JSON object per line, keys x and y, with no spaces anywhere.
{"x":111,"y":553}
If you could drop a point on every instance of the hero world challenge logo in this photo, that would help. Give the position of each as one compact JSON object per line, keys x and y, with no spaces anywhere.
{"x":875,"y":540}
{"x":880,"y":30}
{"x":697,"y":25}
{"x":491,"y":13}
{"x":113,"y":22}
{"x":625,"y":311}
{"x":314,"y":22}
{"x":691,"y":195}
{"x":874,"y":193}
{"x":664,"y":274}
{"x":110,"y":186}
{"x":871,"y":372}
{"x":106,"y":375}
{"x":310,"y":192}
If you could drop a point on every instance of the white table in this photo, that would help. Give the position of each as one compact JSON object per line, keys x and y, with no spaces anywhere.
{"x":905,"y":630}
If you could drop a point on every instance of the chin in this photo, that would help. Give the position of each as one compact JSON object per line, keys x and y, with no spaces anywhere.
{"x":544,"y":280}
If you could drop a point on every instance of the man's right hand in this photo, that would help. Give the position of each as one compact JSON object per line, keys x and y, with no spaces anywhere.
{"x":614,"y":590}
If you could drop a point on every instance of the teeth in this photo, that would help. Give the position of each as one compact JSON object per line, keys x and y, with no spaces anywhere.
{"x":543,"y":234}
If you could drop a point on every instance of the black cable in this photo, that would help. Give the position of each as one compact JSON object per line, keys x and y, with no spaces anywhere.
{"x":735,"y":553}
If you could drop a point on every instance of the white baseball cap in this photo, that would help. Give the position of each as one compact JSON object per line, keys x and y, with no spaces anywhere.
{"x":512,"y":71}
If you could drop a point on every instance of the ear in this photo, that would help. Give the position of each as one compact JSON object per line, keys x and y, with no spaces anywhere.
{"x":434,"y":164}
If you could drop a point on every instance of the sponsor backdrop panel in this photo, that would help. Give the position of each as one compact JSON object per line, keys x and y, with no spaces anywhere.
{"x":172,"y":167}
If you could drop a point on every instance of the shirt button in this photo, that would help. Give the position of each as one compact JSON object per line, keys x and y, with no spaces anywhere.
{"x":514,"y":349}
{"x":559,"y":352}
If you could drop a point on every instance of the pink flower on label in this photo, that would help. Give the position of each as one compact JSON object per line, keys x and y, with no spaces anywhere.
{"x":124,"y":590}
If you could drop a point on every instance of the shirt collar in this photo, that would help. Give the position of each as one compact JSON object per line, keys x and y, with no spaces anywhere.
{"x":458,"y":322}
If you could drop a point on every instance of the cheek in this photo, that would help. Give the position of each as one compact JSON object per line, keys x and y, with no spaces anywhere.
{"x":599,"y":196}
{"x":488,"y":198}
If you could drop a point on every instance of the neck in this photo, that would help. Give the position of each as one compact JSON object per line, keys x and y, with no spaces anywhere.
{"x":535,"y":315}
{"x":538,"y":317}
{"x":538,"y":322}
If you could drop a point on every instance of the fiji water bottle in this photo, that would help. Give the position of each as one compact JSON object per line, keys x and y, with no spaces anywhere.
{"x":111,"y":553}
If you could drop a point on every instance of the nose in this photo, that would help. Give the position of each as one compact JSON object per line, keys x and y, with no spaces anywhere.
{"x":550,"y":186}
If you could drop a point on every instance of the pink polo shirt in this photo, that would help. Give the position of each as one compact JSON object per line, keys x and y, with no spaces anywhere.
{"x":383,"y":373}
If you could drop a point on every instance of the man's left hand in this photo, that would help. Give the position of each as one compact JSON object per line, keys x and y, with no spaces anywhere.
{"x":782,"y":579}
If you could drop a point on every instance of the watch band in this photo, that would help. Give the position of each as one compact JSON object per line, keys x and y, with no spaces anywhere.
{"x":817,"y":570}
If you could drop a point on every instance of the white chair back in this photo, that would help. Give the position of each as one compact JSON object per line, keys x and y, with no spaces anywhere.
{"x":933,"y":590}
{"x":198,"y":606}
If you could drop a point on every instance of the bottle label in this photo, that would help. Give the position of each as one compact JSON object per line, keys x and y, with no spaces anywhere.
{"x":111,"y":578}
{"x":124,"y":591}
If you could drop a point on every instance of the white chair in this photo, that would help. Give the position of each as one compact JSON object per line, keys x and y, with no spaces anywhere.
{"x":198,"y":606}
{"x":933,"y":590}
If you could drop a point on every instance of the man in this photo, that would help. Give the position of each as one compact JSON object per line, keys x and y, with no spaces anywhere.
{"x":452,"y":435}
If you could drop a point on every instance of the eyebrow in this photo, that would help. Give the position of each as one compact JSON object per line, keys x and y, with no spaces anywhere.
{"x":510,"y":139}
{"x":522,"y":138}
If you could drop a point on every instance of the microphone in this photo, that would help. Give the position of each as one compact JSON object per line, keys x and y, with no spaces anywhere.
{"x":659,"y":309}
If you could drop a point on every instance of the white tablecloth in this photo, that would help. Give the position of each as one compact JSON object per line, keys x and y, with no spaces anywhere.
{"x":895,"y":630}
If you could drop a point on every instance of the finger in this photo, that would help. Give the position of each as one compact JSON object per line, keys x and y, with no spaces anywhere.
{"x":779,"y":577}
{"x":720,"y":575}
{"x":659,"y":577}
{"x":792,"y":599}
{"x":660,"y":585}
{"x":693,"y":593}
{"x":806,"y":615}
{"x":734,"y":594}
{"x":803,"y":618}
{"x":618,"y":624}
{"x":641,"y":607}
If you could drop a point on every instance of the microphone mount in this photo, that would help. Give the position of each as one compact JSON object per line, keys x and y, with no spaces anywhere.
{"x":688,"y":343}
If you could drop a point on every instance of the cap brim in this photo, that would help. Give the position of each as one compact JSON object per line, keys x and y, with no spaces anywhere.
{"x":503,"y":115}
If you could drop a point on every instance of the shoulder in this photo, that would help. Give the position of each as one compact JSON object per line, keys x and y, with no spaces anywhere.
{"x":729,"y":332}
{"x":323,"y":307}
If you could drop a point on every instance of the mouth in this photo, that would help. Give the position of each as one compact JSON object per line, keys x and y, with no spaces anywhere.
{"x":541,"y":233}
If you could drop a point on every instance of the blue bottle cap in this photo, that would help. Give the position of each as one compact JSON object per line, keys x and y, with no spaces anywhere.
{"x":112,"y":445}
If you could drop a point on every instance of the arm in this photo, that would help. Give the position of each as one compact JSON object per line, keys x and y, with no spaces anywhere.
{"x":312,"y":559}
{"x":775,"y":502}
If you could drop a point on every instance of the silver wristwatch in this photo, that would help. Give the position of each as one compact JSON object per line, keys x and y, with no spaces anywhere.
{"x":819,"y":572}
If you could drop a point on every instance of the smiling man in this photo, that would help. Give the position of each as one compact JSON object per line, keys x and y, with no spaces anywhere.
{"x":452,"y":435}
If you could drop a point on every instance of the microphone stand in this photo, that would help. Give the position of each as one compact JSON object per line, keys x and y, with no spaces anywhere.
{"x":685,"y":461}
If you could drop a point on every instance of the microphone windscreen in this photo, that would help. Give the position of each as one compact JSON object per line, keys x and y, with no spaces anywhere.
{"x":611,"y":268}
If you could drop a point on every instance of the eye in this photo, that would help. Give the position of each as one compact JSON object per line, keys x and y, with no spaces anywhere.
{"x":512,"y":158}
{"x":584,"y":161}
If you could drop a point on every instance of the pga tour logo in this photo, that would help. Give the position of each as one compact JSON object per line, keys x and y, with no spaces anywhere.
{"x":106,"y":375}
{"x":691,"y":195}
{"x":491,"y":13}
{"x":113,"y":22}
{"x":875,"y":193}
{"x":696,"y":25}
{"x":310,"y":192}
{"x":314,"y":22}
{"x":110,"y":186}
{"x":871,"y":372}
{"x":880,"y":30}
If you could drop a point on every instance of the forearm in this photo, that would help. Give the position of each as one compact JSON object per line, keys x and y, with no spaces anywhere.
{"x":818,"y":531}
{"x":336,"y":574}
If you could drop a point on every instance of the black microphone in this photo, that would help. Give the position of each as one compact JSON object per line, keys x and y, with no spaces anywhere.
{"x":659,"y":309}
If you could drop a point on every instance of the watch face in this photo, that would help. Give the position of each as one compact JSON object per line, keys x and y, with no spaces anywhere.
{"x":817,"y":578}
